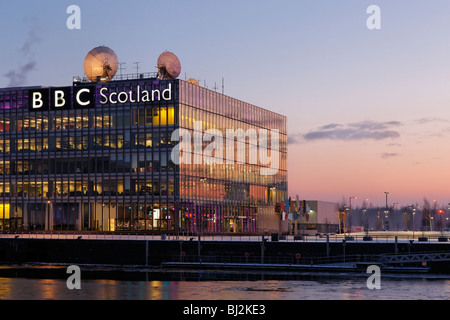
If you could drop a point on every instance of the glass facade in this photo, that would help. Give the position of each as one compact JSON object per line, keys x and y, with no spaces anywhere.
{"x":110,"y":168}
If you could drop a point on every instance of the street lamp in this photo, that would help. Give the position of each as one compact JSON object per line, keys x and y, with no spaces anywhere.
{"x":448,"y":208}
{"x":386,"y":211}
{"x":48,"y":216}
{"x":345,"y":217}
{"x":350,"y":208}
{"x":365,"y":226}
{"x":441,"y":221}
{"x":448,"y":212}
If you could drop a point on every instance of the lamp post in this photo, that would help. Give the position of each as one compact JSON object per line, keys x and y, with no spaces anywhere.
{"x":448,"y":209}
{"x":386,"y":211}
{"x":365,"y":226}
{"x":393,"y":212}
{"x":432,"y":216}
{"x":48,"y":216}
{"x":350,"y":209}
{"x":345,"y":218}
{"x":405,"y":217}
{"x":441,"y":221}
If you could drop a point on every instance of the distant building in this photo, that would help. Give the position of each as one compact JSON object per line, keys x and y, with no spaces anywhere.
{"x":323,"y":217}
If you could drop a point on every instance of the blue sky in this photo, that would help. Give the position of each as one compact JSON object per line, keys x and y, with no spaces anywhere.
{"x":376,"y":101}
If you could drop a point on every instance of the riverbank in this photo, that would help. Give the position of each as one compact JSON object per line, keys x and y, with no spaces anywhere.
{"x":155,"y":253}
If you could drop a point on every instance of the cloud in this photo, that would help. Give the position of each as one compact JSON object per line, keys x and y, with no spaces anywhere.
{"x":331,"y":126}
{"x":18,"y":76}
{"x":372,"y":125}
{"x":394,"y":145}
{"x":429,"y":120}
{"x":364,"y":130}
{"x":294,"y":139}
{"x":437,"y":127}
{"x":387,"y":155}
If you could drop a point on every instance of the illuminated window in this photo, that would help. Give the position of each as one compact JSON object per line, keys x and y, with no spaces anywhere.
{"x":164,"y":116}
{"x":5,"y":146}
{"x":4,"y":211}
{"x":5,"y":168}
{"x":4,"y":124}
{"x":148,"y":140}
{"x":155,"y":114}
{"x":171,"y":115}
{"x":5,"y":189}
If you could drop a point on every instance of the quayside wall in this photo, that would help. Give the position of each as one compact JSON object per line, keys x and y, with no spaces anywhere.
{"x":154,"y":252}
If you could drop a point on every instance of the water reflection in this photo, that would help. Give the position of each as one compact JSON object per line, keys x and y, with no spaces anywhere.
{"x":183,"y":285}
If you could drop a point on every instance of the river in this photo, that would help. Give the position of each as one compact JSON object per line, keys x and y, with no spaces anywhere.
{"x":49,"y":283}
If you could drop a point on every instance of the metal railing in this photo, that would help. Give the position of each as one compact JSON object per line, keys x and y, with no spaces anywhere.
{"x":130,"y":235}
{"x":276,"y":260}
{"x":385,"y":259}
{"x":119,"y":77}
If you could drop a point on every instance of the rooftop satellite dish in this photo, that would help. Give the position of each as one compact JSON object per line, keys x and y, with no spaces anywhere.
{"x":169,"y":67}
{"x":193,"y":81}
{"x":101,"y":64}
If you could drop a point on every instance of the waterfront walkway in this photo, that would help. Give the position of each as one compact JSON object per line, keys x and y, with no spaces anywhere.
{"x":375,"y":237}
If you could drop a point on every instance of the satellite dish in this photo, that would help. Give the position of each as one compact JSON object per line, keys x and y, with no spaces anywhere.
{"x":193,"y":81}
{"x":101,"y":64}
{"x":169,"y":67}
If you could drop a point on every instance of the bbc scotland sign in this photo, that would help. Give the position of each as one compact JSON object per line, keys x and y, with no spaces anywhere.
{"x":81,"y":97}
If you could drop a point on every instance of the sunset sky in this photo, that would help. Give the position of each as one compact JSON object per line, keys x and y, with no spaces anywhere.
{"x":368,"y":110}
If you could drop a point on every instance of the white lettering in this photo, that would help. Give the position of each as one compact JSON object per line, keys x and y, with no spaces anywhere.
{"x":37,"y":97}
{"x":264,"y":158}
{"x":169,"y":91}
{"x":113,"y":94}
{"x":374,"y":21}
{"x":374,"y":281}
{"x":74,"y":21}
{"x":211,"y":311}
{"x":74,"y":281}
{"x":122,"y":94}
{"x":103,"y":96}
{"x":135,"y":96}
{"x":198,"y":142}
{"x":184,"y":147}
{"x":59,"y":99}
{"x":145,"y":96}
{"x":240,"y":136}
{"x":82,"y":103}
{"x":213,"y":153}
{"x":131,"y":96}
{"x":138,"y":94}
{"x":153,"y":94}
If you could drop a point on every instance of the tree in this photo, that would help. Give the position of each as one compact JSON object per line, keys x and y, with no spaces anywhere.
{"x":426,"y":214}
